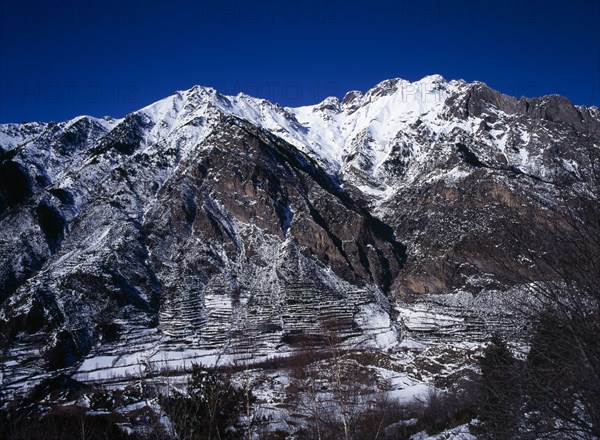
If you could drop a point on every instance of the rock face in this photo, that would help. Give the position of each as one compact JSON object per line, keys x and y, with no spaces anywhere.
{"x":206,"y":227}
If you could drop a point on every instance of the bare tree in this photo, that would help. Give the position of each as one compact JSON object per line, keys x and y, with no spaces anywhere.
{"x":338,"y":396}
{"x":553,"y":254}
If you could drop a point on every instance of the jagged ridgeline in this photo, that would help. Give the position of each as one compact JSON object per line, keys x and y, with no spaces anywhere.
{"x":207,"y":228}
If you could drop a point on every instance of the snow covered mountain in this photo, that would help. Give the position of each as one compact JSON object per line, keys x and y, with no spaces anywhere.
{"x":209,"y":228}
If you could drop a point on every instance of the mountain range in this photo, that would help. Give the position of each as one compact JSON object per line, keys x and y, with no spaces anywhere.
{"x":209,"y":228}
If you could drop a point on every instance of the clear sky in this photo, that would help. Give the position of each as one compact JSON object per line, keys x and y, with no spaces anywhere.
{"x":60,"y":59}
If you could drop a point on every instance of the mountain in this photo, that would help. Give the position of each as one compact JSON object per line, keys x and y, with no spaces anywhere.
{"x":210,"y":228}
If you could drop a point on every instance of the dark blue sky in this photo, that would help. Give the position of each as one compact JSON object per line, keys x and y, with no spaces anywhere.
{"x":59,"y":59}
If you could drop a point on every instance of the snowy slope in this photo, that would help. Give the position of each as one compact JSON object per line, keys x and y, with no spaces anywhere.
{"x":355,"y":138}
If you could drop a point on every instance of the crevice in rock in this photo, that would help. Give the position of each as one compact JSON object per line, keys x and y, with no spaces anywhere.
{"x":15,"y":185}
{"x":469,"y":157}
{"x":52,"y":225}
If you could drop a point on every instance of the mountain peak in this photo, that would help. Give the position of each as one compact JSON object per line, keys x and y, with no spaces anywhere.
{"x":435,"y":78}
{"x":331,"y":103}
